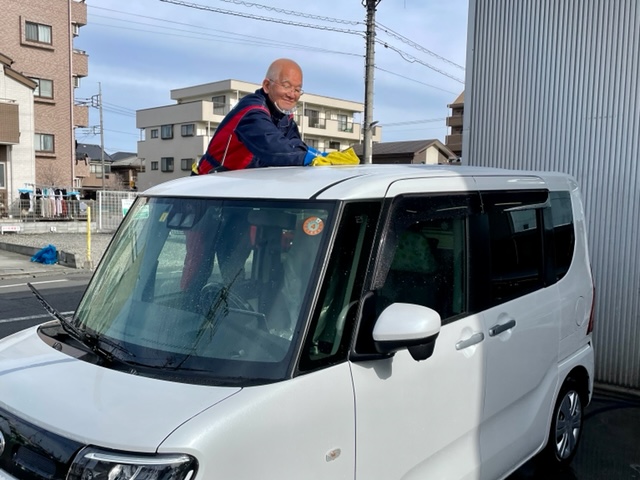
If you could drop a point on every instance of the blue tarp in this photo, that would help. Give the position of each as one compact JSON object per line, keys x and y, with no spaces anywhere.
{"x":47,"y":255}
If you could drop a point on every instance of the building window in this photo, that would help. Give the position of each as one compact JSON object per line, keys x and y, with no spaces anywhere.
{"x":314,"y":118}
{"x":36,"y":32}
{"x":185,"y":164}
{"x":167,"y":164}
{"x":154,"y":165}
{"x":334,"y":145}
{"x":154,"y":133}
{"x":312,"y":142}
{"x":188,"y":130}
{"x":3,"y":183}
{"x":166,"y":132}
{"x":96,"y":169}
{"x":44,"y":142}
{"x":343,"y":123}
{"x":44,"y":88}
{"x":219,"y":103}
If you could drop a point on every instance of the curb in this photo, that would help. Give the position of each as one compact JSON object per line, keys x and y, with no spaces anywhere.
{"x":65,"y":259}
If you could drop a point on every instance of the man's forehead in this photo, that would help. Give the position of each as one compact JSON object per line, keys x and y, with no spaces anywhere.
{"x":290,"y":75}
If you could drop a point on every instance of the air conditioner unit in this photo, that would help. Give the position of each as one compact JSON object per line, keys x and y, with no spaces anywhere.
{"x":75,"y":29}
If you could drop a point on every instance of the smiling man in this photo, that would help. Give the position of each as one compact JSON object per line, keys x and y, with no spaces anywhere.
{"x":260,"y":131}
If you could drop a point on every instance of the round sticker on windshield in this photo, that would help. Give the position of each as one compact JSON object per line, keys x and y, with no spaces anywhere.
{"x":313,"y":225}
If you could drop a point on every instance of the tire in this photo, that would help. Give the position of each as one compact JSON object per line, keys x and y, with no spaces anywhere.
{"x":566,"y":428}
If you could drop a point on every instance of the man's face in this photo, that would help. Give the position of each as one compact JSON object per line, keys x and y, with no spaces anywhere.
{"x":285,"y":90}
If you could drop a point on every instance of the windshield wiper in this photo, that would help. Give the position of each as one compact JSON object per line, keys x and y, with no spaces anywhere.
{"x":90,"y":340}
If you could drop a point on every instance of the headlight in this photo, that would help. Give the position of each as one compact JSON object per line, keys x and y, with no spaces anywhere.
{"x":95,"y":464}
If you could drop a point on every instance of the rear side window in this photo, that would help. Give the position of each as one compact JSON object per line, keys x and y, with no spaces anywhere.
{"x":564,"y":238}
{"x":515,"y":242}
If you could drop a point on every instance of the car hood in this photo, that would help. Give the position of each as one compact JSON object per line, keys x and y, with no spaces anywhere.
{"x":92,"y":404}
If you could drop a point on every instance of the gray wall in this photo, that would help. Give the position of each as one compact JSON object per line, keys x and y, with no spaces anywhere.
{"x":555,"y":85}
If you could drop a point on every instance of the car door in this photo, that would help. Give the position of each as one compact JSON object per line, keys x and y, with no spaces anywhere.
{"x":420,"y":419}
{"x":521,"y":327}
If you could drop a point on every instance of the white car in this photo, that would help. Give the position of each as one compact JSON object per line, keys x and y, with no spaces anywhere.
{"x":366,"y":322}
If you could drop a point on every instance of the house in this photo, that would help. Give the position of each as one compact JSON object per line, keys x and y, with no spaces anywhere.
{"x":127,"y":166}
{"x":430,"y":152}
{"x":175,"y":136}
{"x":17,"y":153}
{"x":91,"y":156}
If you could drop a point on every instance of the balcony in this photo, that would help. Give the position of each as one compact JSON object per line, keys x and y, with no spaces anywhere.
{"x":455,"y":121}
{"x":80,"y":116}
{"x":454,"y":142}
{"x":80,"y":63}
{"x":9,"y":127}
{"x":79,"y":12}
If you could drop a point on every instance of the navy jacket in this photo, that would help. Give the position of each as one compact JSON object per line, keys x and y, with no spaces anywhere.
{"x":254,"y":134}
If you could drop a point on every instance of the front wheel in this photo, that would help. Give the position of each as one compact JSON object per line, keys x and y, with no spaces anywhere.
{"x":566,"y":428}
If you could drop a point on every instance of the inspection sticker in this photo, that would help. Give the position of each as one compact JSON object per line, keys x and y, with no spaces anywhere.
{"x":313,"y":225}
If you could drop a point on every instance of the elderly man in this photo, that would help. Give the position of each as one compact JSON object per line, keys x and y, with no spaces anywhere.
{"x":260,"y":131}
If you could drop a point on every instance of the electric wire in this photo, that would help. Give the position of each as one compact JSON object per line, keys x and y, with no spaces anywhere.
{"x":294,"y":13}
{"x":262,"y":18}
{"x":414,"y":80}
{"x":411,"y":59}
{"x":194,"y":35}
{"x":413,"y":44}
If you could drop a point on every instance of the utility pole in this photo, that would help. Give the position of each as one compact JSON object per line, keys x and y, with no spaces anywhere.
{"x":101,"y":133}
{"x":367,"y":150}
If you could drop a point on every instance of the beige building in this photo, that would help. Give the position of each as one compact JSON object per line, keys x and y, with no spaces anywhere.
{"x":177,"y":135}
{"x":36,"y":40}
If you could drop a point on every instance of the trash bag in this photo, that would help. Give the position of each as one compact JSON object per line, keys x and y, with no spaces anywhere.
{"x":47,"y":255}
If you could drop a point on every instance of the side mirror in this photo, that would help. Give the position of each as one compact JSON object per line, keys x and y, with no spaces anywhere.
{"x":405,"y":325}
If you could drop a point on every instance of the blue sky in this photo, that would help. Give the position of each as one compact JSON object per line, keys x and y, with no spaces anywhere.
{"x":141,"y":49}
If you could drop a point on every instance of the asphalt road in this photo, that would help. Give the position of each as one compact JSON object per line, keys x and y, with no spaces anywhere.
{"x":20,"y":309}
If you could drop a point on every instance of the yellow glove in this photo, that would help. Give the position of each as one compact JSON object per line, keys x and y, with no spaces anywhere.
{"x":346,"y":157}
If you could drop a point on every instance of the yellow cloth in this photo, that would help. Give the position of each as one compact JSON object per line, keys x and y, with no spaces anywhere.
{"x":346,"y":157}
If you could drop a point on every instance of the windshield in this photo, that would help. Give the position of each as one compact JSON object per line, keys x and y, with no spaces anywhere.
{"x":208,"y":290}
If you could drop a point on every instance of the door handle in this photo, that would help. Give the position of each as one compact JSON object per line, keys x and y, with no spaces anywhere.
{"x":472,"y":340}
{"x":498,"y":329}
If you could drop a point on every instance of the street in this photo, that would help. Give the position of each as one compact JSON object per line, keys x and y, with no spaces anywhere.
{"x":610,"y":445}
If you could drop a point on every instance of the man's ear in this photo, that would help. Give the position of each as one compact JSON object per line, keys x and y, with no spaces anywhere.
{"x":265,"y":85}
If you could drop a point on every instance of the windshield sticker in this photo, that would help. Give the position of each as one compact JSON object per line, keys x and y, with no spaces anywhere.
{"x":313,"y":225}
{"x":163,"y":217}
{"x":142,"y":212}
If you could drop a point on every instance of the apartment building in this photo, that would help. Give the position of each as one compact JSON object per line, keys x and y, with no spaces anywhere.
{"x":177,"y":135}
{"x":455,"y":121}
{"x":36,"y":42}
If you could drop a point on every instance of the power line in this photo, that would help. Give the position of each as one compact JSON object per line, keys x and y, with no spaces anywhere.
{"x":413,"y":44}
{"x":413,"y":122}
{"x":411,"y":59}
{"x":294,"y":13}
{"x":261,"y":18}
{"x":263,"y":42}
{"x":416,"y":81}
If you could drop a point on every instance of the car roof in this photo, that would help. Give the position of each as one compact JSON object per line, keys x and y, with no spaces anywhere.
{"x":328,"y":182}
